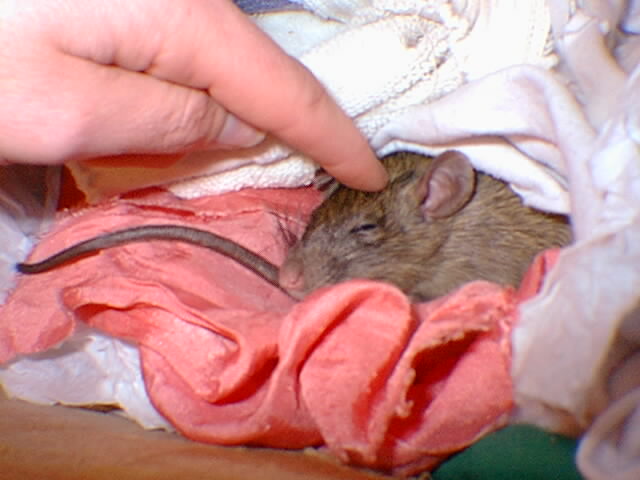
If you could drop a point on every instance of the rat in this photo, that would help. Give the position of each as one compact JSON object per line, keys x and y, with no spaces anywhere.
{"x":437,"y":225}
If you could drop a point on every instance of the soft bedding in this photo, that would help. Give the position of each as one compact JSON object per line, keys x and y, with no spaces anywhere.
{"x":229,"y":359}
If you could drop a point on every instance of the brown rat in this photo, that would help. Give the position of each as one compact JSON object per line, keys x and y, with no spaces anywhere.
{"x":437,"y":225}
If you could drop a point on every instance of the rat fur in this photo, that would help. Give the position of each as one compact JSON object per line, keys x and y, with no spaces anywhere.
{"x":437,"y":225}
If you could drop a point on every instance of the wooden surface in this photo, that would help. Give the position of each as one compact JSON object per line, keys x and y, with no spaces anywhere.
{"x":68,"y":443}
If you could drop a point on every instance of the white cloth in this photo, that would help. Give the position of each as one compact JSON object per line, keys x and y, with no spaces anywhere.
{"x":89,"y":368}
{"x":377,"y":58}
{"x":577,"y":344}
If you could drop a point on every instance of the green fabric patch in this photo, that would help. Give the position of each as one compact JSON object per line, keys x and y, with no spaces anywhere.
{"x":517,"y":452}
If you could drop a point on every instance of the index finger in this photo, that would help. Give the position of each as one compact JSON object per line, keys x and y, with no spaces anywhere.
{"x":258,"y":82}
{"x":214,"y":46}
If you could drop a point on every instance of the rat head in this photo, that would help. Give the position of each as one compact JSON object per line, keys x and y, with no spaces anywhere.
{"x":387,"y":235}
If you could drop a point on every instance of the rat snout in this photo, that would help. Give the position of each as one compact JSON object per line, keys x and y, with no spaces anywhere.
{"x":291,"y":277}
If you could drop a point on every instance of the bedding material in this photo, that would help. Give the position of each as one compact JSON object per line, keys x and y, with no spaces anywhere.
{"x":229,"y":359}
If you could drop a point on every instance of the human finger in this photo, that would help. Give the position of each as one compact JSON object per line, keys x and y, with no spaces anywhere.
{"x":246,"y":72}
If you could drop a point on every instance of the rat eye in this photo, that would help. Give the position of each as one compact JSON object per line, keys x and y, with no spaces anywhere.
{"x":368,"y":232}
{"x":365,"y":227}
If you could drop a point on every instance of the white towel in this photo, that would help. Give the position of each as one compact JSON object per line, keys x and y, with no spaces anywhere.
{"x":378,"y":59}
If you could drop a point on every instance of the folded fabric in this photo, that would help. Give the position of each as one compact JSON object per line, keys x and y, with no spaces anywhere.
{"x":89,"y":368}
{"x":377,"y":59}
{"x":229,"y":359}
{"x":609,"y":449}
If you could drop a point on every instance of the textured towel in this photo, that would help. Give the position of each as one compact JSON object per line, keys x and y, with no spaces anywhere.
{"x":377,"y":59}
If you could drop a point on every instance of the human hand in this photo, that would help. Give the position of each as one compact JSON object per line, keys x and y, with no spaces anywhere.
{"x":88,"y":78}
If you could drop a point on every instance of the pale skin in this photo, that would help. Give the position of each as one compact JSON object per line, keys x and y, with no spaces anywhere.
{"x":90,"y":78}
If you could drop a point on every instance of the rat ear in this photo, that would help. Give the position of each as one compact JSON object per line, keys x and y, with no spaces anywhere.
{"x":447,"y":185}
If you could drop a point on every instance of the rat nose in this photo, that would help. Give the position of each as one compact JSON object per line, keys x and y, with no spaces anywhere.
{"x":291,"y":277}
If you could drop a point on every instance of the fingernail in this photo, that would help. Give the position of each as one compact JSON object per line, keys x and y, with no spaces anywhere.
{"x":236,"y":133}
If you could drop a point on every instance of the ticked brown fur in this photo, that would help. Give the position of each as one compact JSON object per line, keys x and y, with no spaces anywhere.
{"x":389,"y":235}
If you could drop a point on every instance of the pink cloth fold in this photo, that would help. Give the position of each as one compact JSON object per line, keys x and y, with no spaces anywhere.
{"x":229,"y":359}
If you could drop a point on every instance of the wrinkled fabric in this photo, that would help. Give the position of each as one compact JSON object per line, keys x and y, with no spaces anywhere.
{"x":377,"y":59}
{"x":583,"y":321}
{"x":89,"y":368}
{"x":229,"y":359}
{"x":610,"y":449}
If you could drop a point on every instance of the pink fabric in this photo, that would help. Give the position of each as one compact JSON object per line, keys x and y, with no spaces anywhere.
{"x":229,"y":359}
